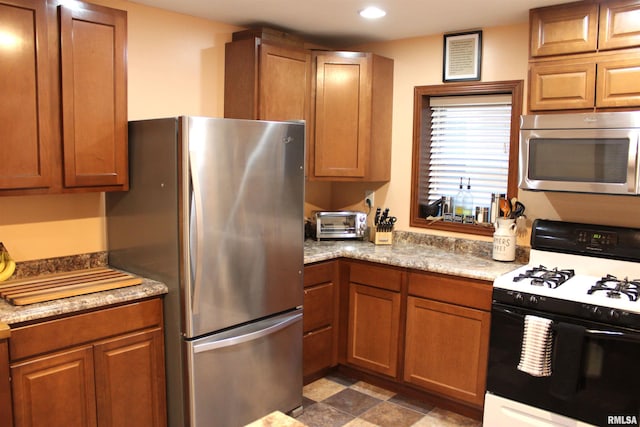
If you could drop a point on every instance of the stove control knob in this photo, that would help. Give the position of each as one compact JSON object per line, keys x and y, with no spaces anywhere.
{"x":613,"y":314}
{"x":533,"y":300}
{"x":596,"y":312}
{"x":518,"y":298}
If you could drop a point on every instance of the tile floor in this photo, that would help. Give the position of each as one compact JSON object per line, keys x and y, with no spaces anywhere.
{"x":336,"y":401}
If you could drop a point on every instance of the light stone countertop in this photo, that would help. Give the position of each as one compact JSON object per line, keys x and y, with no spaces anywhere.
{"x":446,"y":256}
{"x":11,"y":314}
{"x":458,"y":257}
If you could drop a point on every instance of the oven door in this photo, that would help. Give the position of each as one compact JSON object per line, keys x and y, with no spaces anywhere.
{"x":603,"y":390}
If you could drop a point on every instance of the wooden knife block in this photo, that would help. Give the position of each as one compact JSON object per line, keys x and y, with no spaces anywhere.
{"x":381,"y":237}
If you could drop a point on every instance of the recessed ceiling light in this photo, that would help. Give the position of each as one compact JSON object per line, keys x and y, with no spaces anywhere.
{"x":372,"y":12}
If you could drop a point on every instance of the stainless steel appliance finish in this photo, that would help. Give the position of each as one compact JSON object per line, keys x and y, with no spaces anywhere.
{"x":587,"y":153}
{"x":340,"y":224}
{"x":215,"y":211}
{"x":575,"y":372}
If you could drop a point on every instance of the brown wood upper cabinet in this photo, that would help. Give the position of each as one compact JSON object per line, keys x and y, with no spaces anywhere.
{"x":265,"y":80}
{"x":352,"y":109}
{"x":584,"y":27}
{"x":585,"y":55}
{"x":94,"y":96}
{"x":64,"y":125}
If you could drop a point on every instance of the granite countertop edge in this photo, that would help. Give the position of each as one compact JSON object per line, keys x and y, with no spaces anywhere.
{"x":427,"y":258}
{"x":13,"y":315}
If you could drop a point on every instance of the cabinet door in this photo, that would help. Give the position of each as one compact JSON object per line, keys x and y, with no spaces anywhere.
{"x":373,"y":329}
{"x":55,"y":391}
{"x":25,"y":109}
{"x":619,"y":24}
{"x":562,"y":85}
{"x":619,"y":82}
{"x":265,"y":81}
{"x":342,"y":116}
{"x":129,"y":375}
{"x":285,"y":81}
{"x":564,"y":29}
{"x":446,"y":349}
{"x":94,"y":96}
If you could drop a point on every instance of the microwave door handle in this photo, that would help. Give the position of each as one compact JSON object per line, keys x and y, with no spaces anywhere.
{"x":634,"y":159}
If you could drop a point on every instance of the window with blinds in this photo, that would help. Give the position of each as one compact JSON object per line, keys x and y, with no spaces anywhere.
{"x":469,"y":140}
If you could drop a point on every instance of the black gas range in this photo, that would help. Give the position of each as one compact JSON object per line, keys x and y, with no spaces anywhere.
{"x":563,"y":326}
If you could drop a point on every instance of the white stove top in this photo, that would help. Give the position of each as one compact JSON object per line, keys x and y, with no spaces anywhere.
{"x":588,"y":270}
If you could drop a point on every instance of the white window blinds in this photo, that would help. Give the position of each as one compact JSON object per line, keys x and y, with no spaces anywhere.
{"x":470,"y":140}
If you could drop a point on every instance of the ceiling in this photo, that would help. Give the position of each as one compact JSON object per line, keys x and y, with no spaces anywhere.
{"x":336,"y":23}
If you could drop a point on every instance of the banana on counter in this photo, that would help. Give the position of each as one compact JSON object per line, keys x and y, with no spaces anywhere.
{"x":7,"y":264}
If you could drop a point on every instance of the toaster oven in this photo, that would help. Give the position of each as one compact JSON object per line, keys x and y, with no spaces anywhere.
{"x":339,"y":224}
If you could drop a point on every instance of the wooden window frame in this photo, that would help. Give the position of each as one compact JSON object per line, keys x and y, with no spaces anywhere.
{"x":421,"y":131}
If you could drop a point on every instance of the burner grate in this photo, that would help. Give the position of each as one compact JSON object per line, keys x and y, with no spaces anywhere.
{"x":615,"y":287}
{"x":543,"y":276}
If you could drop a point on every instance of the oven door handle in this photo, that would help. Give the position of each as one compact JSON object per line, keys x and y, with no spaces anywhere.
{"x":591,"y":333}
{"x":613,"y":335}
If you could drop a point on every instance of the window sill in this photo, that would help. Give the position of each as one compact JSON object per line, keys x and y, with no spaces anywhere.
{"x":479,"y":230}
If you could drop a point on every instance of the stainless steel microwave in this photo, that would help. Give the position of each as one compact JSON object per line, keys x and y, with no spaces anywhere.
{"x":582,"y":153}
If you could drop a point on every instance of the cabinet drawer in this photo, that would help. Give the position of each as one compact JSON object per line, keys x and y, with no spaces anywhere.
{"x":465,"y":292}
{"x":318,"y":306}
{"x":380,"y":277}
{"x":319,"y":273}
{"x":27,"y":341}
{"x":562,"y":85}
{"x":317,"y":350}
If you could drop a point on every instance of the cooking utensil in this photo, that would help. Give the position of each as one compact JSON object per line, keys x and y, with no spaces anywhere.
{"x":377,"y":217}
{"x":518,"y":209}
{"x":505,"y":207}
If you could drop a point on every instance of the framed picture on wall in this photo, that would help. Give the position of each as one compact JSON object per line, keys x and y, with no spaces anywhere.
{"x":462,"y":56}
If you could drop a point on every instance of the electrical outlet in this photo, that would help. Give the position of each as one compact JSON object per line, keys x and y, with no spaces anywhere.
{"x":368,"y":199}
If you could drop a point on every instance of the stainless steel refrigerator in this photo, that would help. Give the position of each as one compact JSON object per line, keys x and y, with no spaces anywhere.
{"x":215,"y":211}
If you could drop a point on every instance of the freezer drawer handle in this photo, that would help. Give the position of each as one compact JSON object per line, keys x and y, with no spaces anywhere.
{"x":228,"y":342}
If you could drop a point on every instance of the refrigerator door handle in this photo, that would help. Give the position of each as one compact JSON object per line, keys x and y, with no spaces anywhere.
{"x":253,"y":335}
{"x":195,"y":236}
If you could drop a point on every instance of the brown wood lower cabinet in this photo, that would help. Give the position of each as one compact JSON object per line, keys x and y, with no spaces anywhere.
{"x":446,"y":347}
{"x":447,"y":335}
{"x":374,"y":322}
{"x":374,"y":317}
{"x":320,"y":319}
{"x":101,"y":368}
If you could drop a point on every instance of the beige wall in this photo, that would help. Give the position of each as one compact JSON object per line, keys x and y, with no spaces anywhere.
{"x":176,"y":66}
